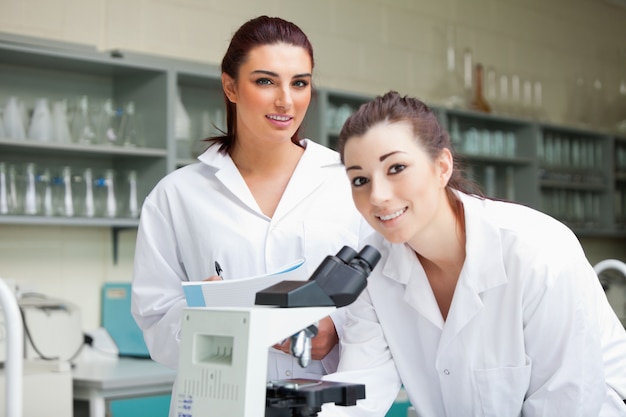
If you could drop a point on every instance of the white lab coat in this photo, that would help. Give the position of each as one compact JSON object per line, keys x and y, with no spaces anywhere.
{"x":205,"y":212}
{"x":529,"y":332}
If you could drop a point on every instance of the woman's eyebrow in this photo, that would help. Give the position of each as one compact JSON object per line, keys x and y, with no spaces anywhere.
{"x":387,"y":155}
{"x":273,"y":74}
{"x":381,"y":159}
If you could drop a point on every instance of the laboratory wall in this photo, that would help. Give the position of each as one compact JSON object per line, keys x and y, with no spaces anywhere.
{"x":364,"y":46}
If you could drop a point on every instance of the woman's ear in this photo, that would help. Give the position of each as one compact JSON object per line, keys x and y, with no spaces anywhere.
{"x":445,"y":164}
{"x":228,"y":84}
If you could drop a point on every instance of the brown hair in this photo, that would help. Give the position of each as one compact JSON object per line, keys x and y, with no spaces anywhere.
{"x":431,"y":136}
{"x":262,"y":30}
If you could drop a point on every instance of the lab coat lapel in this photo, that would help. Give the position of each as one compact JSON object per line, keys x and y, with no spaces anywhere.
{"x":403,"y":266}
{"x":228,"y":174}
{"x":308,"y":176}
{"x":483,"y":269}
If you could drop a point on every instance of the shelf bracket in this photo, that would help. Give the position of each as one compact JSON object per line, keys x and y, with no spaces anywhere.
{"x":115,"y":231}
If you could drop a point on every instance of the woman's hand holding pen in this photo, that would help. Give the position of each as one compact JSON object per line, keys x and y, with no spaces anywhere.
{"x":218,"y":271}
{"x":213,"y":278}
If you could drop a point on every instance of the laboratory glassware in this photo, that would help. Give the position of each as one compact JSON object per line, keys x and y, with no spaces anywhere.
{"x":40,"y":127}
{"x":60,"y":126}
{"x":14,"y":124}
{"x":81,"y":125}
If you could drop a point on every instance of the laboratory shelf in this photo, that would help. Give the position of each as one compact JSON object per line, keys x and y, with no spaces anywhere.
{"x":529,"y":161}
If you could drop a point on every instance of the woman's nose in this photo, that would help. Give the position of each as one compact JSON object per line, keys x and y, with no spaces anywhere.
{"x":380,"y":191}
{"x":284,"y":99}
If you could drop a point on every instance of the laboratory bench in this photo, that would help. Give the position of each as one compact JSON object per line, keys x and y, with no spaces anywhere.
{"x":97,"y":383}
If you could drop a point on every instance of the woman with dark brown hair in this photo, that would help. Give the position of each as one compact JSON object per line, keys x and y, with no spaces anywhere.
{"x":478,"y":307}
{"x":260,"y":197}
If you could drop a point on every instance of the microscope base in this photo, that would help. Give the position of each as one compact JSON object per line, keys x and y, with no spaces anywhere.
{"x":304,"y":397}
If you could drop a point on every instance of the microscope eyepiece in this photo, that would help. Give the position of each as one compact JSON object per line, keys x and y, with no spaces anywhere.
{"x":337,"y":281}
{"x":365,"y":260}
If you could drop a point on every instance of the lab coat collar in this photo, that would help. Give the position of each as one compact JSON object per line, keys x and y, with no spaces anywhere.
{"x":484,"y":259}
{"x":227,"y":173}
{"x":316,"y":164}
{"x":482,"y":270}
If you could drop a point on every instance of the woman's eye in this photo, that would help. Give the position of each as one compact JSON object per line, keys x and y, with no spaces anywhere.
{"x":359,"y":181}
{"x":301,"y":83}
{"x":264,"y":81}
{"x":396,"y":168}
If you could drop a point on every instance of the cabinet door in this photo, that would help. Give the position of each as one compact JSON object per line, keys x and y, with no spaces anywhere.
{"x":73,"y":84}
{"x":496,"y":152}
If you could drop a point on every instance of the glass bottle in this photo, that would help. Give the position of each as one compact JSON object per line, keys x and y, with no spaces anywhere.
{"x":15,"y":191}
{"x":516,"y":95}
{"x":538,"y":110}
{"x":130,"y":201}
{"x":3,"y":133}
{"x":619,"y":118}
{"x":111,"y":202}
{"x":63,"y":196}
{"x":452,"y":88}
{"x":468,"y":78}
{"x":90,"y":205}
{"x":479,"y":102}
{"x":44,"y":182}
{"x":104,"y":194}
{"x":30,"y":196}
{"x":598,"y":104}
{"x":491,"y":88}
{"x":4,"y":199}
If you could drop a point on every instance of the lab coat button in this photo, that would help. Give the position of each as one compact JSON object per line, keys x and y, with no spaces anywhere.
{"x":287,"y":373}
{"x":446,"y":372}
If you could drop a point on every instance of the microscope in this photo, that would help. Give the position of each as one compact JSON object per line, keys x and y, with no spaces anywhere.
{"x":223,"y":356}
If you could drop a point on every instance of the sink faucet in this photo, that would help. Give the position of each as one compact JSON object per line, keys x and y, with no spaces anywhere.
{"x":609,"y":264}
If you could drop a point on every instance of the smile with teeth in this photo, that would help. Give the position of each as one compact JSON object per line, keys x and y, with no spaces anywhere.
{"x":279,"y":118}
{"x":392,"y":215}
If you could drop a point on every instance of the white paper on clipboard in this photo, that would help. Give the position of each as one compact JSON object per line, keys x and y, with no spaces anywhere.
{"x":239,"y":292}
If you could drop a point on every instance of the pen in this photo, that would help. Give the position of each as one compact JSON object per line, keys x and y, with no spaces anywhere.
{"x":218,"y":269}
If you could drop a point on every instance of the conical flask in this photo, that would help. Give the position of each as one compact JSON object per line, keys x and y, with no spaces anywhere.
{"x":14,"y":125}
{"x":82,"y":128}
